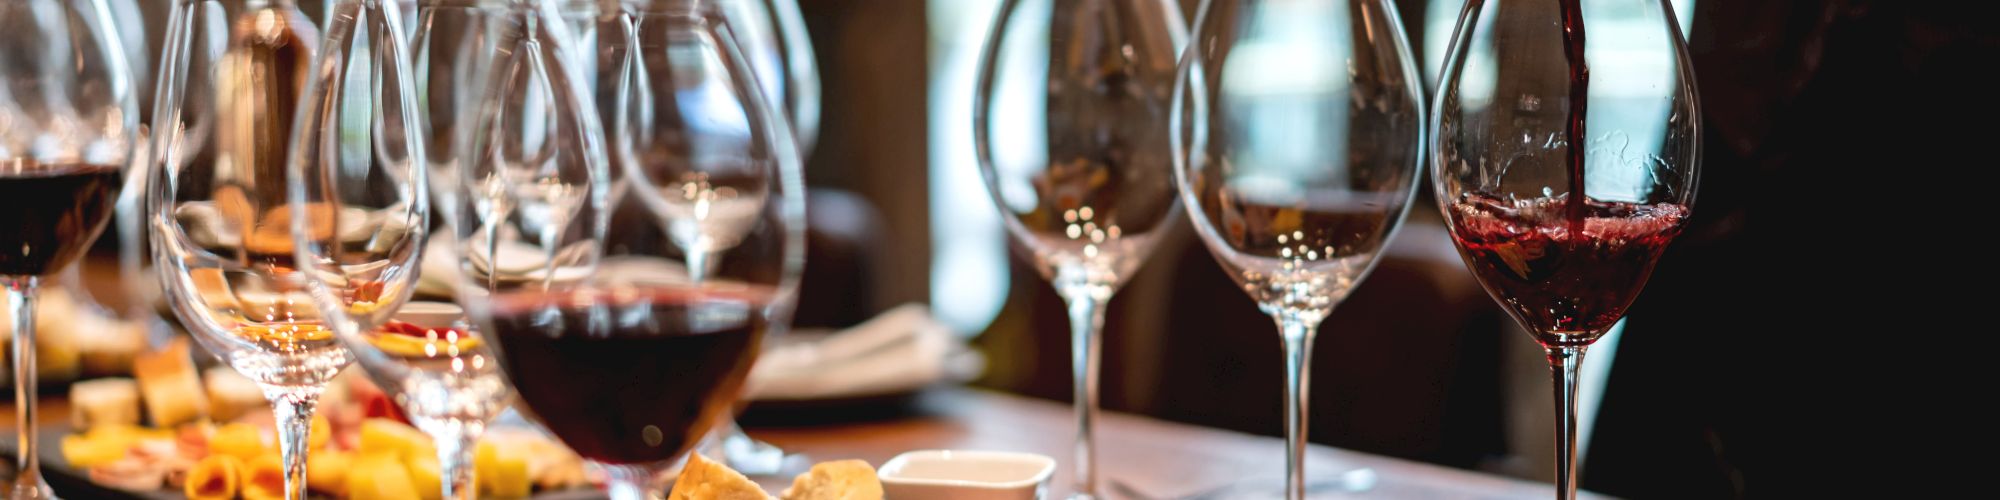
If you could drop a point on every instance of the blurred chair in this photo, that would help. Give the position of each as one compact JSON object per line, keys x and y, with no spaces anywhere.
{"x":836,"y":289}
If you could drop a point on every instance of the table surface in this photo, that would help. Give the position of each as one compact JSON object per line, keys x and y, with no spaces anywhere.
{"x":1152,"y":457}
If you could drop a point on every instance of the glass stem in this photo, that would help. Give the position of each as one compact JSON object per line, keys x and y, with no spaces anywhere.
{"x":1086,"y":320}
{"x":1297,"y":331}
{"x":700,"y":263}
{"x":493,"y":253}
{"x":630,"y":482}
{"x":1563,"y":363}
{"x":294,"y":408}
{"x":21,"y":299}
{"x":456,"y":444}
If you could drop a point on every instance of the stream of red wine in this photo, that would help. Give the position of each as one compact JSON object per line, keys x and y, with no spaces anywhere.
{"x":1579,"y":100}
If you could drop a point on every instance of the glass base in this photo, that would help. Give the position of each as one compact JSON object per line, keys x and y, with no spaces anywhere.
{"x":1320,"y":484}
{"x":19,"y":492}
{"x":751,"y":457}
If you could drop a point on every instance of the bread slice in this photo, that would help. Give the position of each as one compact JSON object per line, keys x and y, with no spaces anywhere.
{"x":103,"y":402}
{"x":704,"y":479}
{"x":837,"y":480}
{"x":168,"y":384}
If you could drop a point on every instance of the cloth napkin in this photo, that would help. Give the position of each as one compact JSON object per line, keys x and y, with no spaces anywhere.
{"x":903,"y":349}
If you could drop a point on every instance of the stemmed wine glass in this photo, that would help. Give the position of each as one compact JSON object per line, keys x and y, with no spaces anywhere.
{"x":1565,"y":164}
{"x":68,"y":125}
{"x":628,"y":318}
{"x":437,"y":366}
{"x":433,"y":366}
{"x":1070,"y":123}
{"x":246,"y":97}
{"x":1298,"y":134}
{"x":773,"y":38}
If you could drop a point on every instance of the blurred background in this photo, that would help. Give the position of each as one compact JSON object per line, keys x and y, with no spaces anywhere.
{"x":1419,"y":363}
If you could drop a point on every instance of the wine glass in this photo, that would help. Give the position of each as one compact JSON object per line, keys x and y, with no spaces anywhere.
{"x":360,"y":264}
{"x":1564,"y":165}
{"x":68,"y":124}
{"x":773,"y":37}
{"x":128,"y":271}
{"x":437,"y":366}
{"x":629,"y":323}
{"x":1298,"y":134}
{"x":245,"y":95}
{"x":1070,"y":123}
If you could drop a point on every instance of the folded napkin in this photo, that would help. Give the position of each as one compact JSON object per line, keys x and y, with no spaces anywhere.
{"x":901,"y":350}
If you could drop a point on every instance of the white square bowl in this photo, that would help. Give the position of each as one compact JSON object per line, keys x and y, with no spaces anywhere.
{"x":966,"y":475}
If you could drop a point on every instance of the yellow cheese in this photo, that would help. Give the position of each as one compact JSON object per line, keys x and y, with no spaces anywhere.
{"x":425,"y":476}
{"x":379,"y":476}
{"x":326,"y":471}
{"x":384,"y":435}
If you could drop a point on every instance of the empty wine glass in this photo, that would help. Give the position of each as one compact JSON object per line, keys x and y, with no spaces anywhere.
{"x":1297,"y":140}
{"x":630,"y":331}
{"x":1565,"y":164}
{"x":773,"y":37}
{"x":68,"y":124}
{"x":360,"y":263}
{"x":245,"y":96}
{"x":1070,"y":122}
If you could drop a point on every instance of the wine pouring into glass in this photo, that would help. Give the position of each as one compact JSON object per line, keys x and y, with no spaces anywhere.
{"x":1565,"y":162}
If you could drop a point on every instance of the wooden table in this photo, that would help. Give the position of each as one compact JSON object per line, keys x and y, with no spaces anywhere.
{"x":1153,"y":457}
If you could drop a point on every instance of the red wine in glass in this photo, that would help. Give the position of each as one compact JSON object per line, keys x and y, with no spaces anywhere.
{"x":53,"y":211}
{"x":1566,"y":169}
{"x":630,"y":376}
{"x":1566,"y":286}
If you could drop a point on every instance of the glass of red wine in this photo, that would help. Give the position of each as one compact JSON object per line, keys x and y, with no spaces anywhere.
{"x":68,"y":126}
{"x":627,"y":285}
{"x":1566,"y":151}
